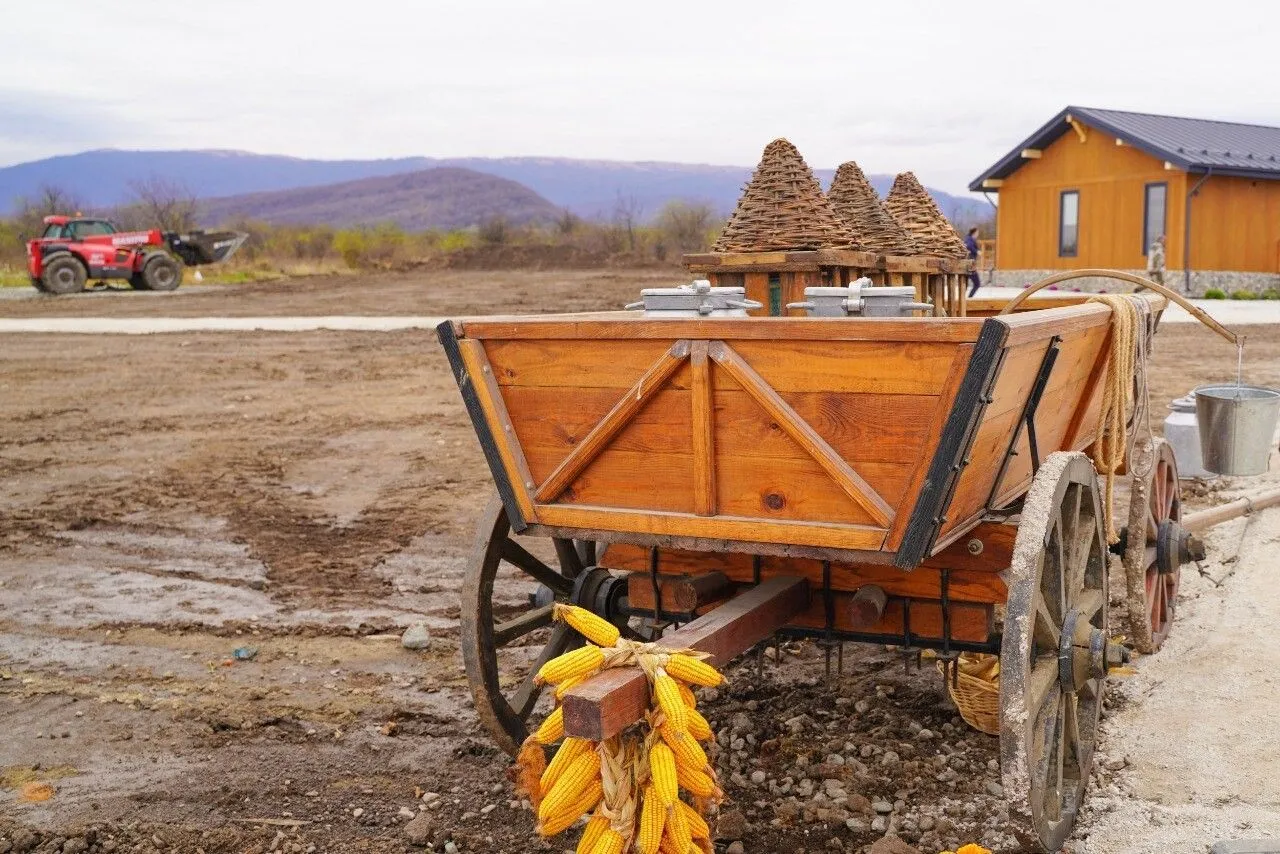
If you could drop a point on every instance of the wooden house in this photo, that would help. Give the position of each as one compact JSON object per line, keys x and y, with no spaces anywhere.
{"x":1095,"y":188}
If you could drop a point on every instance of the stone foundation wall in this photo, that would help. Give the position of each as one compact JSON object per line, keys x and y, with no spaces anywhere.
{"x":1201,"y":280}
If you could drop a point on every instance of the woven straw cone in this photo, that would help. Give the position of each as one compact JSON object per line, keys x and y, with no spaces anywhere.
{"x":783,"y":209}
{"x":855,"y":200}
{"x":914,"y":209}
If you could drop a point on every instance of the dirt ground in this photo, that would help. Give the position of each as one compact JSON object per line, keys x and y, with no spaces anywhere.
{"x":167,"y":499}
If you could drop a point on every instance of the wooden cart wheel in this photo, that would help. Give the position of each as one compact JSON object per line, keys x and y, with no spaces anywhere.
{"x":1055,"y":651}
{"x":1159,"y":571}
{"x":505,"y":639}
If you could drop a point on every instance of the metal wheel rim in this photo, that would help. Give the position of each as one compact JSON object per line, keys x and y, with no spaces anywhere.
{"x":504,"y":714}
{"x":1164,"y":503}
{"x":1049,"y":731}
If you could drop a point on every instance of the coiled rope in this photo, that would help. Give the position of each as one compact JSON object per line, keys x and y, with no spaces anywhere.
{"x":1125,"y":412}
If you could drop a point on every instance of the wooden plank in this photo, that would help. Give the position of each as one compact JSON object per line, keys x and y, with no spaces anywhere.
{"x":632,"y":402}
{"x":836,"y":468}
{"x":680,"y":593}
{"x":703,"y":429}
{"x":738,"y":528}
{"x":495,"y":413}
{"x":933,"y":428}
{"x":788,"y":366}
{"x":781,"y":488}
{"x":1083,"y":408}
{"x":633,"y":326}
{"x":611,"y":701}
{"x":971,"y":578}
{"x":969,"y":622}
{"x":1034,"y":325}
{"x":896,"y":428}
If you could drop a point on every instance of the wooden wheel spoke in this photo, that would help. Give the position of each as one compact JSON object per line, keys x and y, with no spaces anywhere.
{"x":1043,"y":682}
{"x":1046,"y":633}
{"x":514,"y":553}
{"x":571,"y":559}
{"x":1080,"y":767}
{"x":517,"y":627}
{"x":1089,"y":604}
{"x":525,"y":698}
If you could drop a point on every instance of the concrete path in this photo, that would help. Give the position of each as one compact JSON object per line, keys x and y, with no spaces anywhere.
{"x":1228,"y":312}
{"x":149,"y":325}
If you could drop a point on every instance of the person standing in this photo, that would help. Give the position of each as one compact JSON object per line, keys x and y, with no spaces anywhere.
{"x":1155,"y":261}
{"x":971,"y":243}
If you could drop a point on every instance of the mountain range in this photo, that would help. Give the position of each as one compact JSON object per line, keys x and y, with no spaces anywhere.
{"x":589,"y":188}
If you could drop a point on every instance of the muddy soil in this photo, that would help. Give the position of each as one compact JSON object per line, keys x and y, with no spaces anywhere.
{"x":167,"y":500}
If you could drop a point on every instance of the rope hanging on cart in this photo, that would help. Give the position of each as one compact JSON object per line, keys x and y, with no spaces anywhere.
{"x":1124,"y":397}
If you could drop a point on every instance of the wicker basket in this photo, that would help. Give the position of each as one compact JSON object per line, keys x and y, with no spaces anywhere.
{"x":977,"y":699}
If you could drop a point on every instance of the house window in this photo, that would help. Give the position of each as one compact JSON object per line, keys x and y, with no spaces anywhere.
{"x":1153,"y":214}
{"x":775,"y":294}
{"x":1069,"y":224}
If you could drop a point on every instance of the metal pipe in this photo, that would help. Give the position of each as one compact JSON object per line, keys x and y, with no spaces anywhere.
{"x":1202,"y":519}
{"x":1186,"y":230}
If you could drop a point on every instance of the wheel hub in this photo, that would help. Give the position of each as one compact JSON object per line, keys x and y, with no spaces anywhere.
{"x":600,"y":591}
{"x":1085,"y":653}
{"x":1175,"y":546}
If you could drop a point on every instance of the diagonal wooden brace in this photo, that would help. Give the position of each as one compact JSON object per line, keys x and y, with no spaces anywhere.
{"x":611,"y":701}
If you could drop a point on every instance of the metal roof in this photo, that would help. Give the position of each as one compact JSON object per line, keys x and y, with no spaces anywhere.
{"x":1194,"y":145}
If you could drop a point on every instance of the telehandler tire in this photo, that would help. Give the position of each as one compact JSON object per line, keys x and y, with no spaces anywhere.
{"x":64,"y":274}
{"x":161,"y":273}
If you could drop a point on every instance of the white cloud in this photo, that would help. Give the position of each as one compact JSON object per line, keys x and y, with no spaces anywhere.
{"x":941,"y":88}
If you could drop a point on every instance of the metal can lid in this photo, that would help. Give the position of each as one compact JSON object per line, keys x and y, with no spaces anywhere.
{"x":1184,"y":404}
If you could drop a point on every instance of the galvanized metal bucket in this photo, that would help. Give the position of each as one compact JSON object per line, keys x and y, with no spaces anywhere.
{"x":1237,"y":427}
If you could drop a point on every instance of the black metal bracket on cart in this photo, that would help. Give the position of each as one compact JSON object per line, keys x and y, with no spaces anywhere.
{"x":1028,"y":420}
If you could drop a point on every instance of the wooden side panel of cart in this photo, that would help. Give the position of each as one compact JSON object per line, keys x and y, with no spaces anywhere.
{"x":868,"y":440}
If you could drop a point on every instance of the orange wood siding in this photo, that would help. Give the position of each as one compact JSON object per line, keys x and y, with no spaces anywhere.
{"x":1111,"y":180}
{"x":1235,"y":225}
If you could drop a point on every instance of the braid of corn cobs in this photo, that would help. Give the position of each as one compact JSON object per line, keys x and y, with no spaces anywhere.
{"x":658,"y":757}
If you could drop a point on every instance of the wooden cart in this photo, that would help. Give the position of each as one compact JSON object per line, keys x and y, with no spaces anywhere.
{"x":913,"y":482}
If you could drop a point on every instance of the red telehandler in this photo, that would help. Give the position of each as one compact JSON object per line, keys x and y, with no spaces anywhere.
{"x":74,"y":250}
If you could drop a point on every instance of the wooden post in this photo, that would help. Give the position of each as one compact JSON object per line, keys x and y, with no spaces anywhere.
{"x":681,"y":594}
{"x":611,"y":701}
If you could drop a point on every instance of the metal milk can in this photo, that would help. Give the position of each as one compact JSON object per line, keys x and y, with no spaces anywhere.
{"x":1182,"y":432}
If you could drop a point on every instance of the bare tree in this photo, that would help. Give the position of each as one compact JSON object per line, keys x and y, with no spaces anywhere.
{"x":567,"y":222}
{"x":686,"y":225}
{"x":626,"y":215}
{"x":49,"y":199}
{"x":164,"y":203}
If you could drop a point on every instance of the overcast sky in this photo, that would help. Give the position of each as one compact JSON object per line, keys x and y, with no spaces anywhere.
{"x":941,"y":88}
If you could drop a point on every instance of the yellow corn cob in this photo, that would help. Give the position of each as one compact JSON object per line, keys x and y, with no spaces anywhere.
{"x":591,"y":626}
{"x":686,"y":694}
{"x":663,"y":771}
{"x":581,"y":772}
{"x":577,"y":662}
{"x":678,"y":830}
{"x":610,"y":843}
{"x":669,"y":847}
{"x":696,"y":782}
{"x":569,"y":750}
{"x":668,"y":695}
{"x":698,"y":827}
{"x":686,"y":749}
{"x":653,"y":814}
{"x":568,"y":684}
{"x":698,"y":726}
{"x":692,"y":670}
{"x":564,"y":819}
{"x":594,"y":830}
{"x":552,"y":729}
